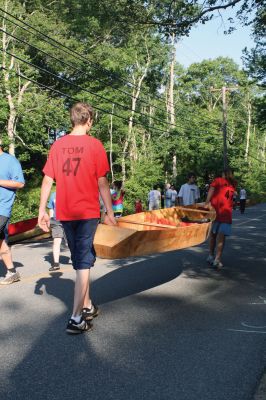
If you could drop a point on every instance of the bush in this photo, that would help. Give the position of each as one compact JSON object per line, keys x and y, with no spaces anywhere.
{"x":26,"y":204}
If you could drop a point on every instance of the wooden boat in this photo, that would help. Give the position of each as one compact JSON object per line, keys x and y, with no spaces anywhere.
{"x":153,"y":232}
{"x":140,"y":234}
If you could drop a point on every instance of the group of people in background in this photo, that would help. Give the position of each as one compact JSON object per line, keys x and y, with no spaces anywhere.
{"x":188,"y":194}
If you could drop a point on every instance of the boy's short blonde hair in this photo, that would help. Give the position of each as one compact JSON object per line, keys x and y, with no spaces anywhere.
{"x":80,"y":113}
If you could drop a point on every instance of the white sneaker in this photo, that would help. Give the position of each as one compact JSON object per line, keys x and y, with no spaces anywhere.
{"x":10,"y":277}
{"x":217,"y":264}
{"x":210,"y":259}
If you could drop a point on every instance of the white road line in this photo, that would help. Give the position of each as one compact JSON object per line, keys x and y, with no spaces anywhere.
{"x":251,"y":219}
{"x":252,"y":326}
{"x":245,"y":331}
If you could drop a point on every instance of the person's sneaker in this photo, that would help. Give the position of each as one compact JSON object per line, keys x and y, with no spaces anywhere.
{"x":74,"y":327}
{"x":210,"y":259}
{"x":89,"y":313}
{"x":54,"y":267}
{"x":10,"y":277}
{"x":217,"y":264}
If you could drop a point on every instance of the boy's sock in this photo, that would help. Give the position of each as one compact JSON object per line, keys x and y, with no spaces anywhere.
{"x":12,"y":270}
{"x":76,"y":319}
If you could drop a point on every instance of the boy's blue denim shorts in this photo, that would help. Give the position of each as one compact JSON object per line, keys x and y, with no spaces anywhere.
{"x":80,"y":236}
{"x":221,"y":227}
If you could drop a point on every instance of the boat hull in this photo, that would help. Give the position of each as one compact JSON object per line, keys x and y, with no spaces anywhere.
{"x":141,"y":234}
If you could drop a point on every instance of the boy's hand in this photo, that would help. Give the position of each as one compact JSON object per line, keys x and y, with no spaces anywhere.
{"x":44,"y":221}
{"x":109,"y":220}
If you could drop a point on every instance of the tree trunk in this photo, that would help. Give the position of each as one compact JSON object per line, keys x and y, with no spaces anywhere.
{"x":123,"y":161}
{"x":111,"y":143}
{"x":171,"y":106}
{"x":14,"y":99}
{"x":141,"y":72}
{"x":248,"y":130}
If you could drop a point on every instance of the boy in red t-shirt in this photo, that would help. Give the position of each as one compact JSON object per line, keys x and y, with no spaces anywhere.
{"x":221,"y":193}
{"x":78,"y":163}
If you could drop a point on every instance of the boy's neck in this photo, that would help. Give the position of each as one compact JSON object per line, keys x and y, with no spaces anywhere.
{"x":79,"y":130}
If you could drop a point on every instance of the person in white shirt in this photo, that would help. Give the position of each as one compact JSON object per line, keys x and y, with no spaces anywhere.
{"x":189,"y":192}
{"x":242,"y":199}
{"x":154,"y":199}
{"x":168,"y":196}
{"x":173,"y":196}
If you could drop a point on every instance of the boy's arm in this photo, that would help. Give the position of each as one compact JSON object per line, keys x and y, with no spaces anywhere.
{"x":43,"y":218}
{"x":209,"y":195}
{"x":180,"y":196}
{"x":106,"y":197}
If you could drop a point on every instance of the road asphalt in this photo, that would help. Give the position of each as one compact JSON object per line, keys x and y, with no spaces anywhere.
{"x":170,"y":327}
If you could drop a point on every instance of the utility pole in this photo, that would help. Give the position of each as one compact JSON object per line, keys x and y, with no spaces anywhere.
{"x":225,"y":157}
{"x":223,"y":90}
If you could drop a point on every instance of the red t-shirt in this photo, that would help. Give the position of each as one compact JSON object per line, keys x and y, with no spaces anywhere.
{"x":76,"y":163}
{"x":222,"y":199}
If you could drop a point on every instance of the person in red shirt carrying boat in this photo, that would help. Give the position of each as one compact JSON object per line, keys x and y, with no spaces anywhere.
{"x":78,"y":163}
{"x":220,"y":195}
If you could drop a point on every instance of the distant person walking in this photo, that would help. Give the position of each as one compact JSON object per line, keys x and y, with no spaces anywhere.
{"x":78,"y":163}
{"x":117,"y":194}
{"x":167,"y":196}
{"x":221,"y":195}
{"x":138,"y":206}
{"x":11,"y":179}
{"x":154,"y":199}
{"x":57,"y":232}
{"x":189,"y":192}
{"x":242,"y":200}
{"x":173,"y":196}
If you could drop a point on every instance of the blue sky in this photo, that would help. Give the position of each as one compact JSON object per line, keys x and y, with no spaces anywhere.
{"x":208,"y":42}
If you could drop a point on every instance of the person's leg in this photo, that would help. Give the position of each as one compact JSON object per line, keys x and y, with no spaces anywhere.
{"x":219,"y":247}
{"x":83,"y":254}
{"x":56,"y":249}
{"x":217,"y":263}
{"x":6,"y":255}
{"x":56,"y":253}
{"x":242,"y":206}
{"x":12,"y":275}
{"x":76,"y":323}
{"x":212,"y":243}
{"x":81,"y":291}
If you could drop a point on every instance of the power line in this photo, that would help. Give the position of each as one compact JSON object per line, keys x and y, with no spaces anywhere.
{"x":80,"y":87}
{"x":71,"y":52}
{"x":74,"y":68}
{"x":74,"y":99}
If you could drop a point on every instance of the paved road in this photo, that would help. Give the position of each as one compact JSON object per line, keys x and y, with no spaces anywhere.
{"x":170,"y":327}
